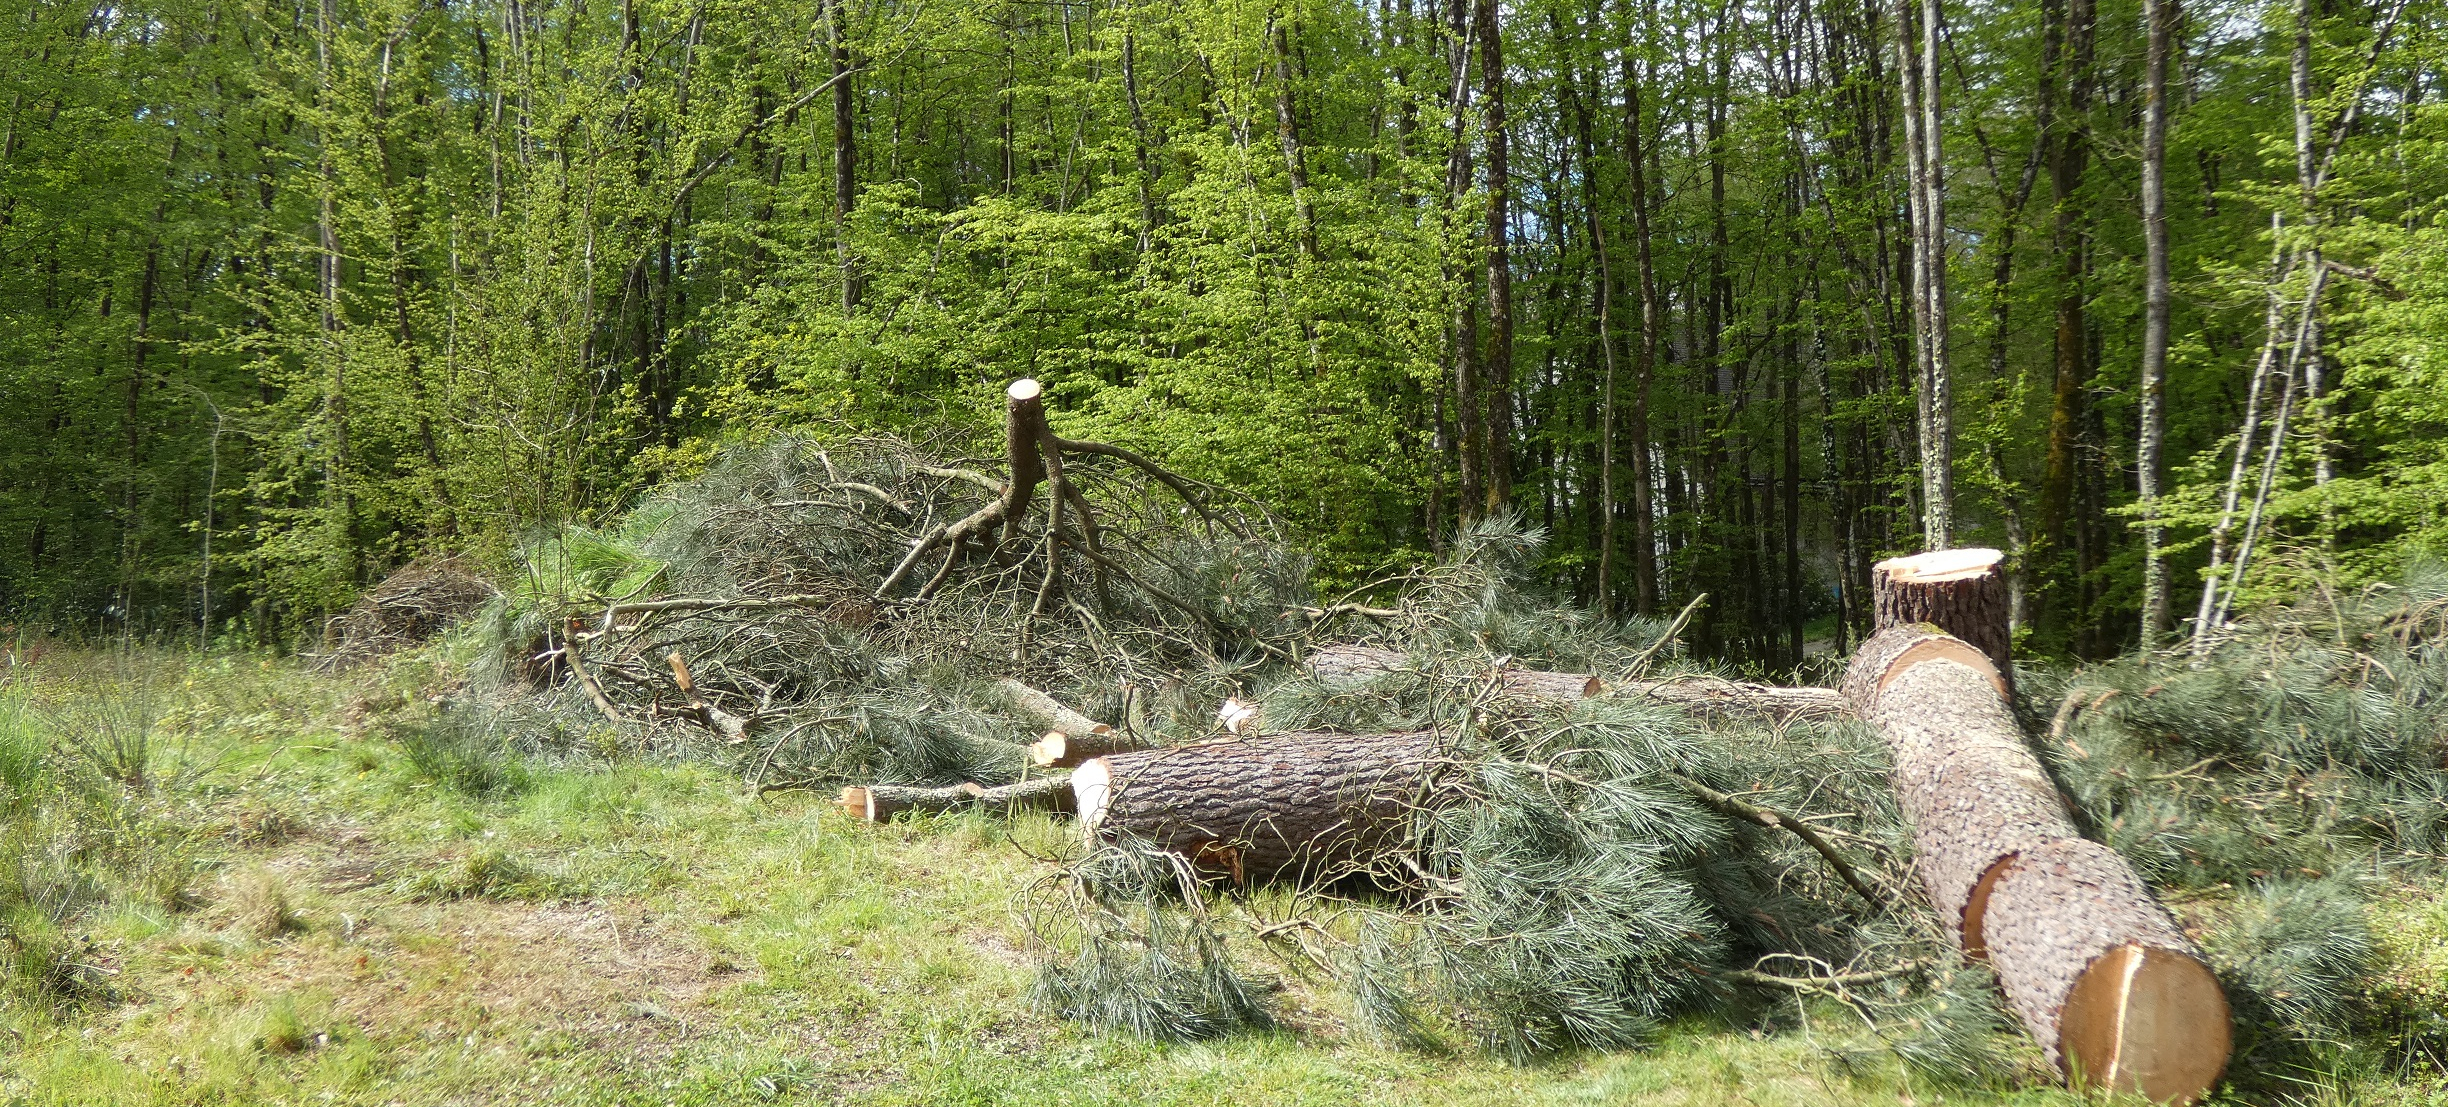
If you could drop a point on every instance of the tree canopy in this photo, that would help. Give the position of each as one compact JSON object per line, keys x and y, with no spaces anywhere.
{"x":293,"y":293}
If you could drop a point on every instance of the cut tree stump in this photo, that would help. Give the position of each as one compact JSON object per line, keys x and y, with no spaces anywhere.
{"x":1962,"y":592}
{"x":2089,"y":960}
{"x":1348,"y":666}
{"x":1308,"y":806}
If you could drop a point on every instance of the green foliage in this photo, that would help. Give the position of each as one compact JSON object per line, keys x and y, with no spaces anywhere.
{"x":293,"y":307}
{"x":1149,"y":960}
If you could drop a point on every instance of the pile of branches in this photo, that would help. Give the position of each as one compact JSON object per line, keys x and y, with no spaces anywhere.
{"x":856,"y":610}
{"x":1577,"y":869}
{"x":408,"y":608}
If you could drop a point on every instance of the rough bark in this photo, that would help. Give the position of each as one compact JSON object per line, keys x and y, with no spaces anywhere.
{"x":2103,"y":977}
{"x":1497,"y":486}
{"x":1304,"y":806}
{"x":1644,"y":358}
{"x":1353,"y":665}
{"x":2090,"y":961}
{"x":1711,"y":697}
{"x":1893,"y":648}
{"x":1346,"y":666}
{"x":1962,"y":592}
{"x":2158,"y":17}
{"x":1975,"y":793}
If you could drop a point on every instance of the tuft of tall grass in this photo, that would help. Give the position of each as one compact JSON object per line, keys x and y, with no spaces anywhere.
{"x":483,"y":873}
{"x":460,"y":752}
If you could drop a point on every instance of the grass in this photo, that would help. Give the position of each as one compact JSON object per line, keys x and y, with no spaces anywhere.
{"x":297,"y":905}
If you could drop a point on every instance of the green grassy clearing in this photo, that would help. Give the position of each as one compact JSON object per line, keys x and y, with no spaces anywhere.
{"x":294,"y":906}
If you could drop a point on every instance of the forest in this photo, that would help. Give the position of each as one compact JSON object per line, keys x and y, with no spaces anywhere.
{"x":1307,"y":551}
{"x":1729,"y":298}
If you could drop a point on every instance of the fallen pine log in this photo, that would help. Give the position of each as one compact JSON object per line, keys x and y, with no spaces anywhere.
{"x":2089,"y":960}
{"x":2103,"y":977}
{"x":877,"y":803}
{"x":1070,"y":737}
{"x":1350,"y":666}
{"x":1307,"y":806}
{"x":1347,"y":666}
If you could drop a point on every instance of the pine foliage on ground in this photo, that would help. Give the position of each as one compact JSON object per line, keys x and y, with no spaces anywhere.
{"x":1585,"y":872}
{"x":2274,"y":784}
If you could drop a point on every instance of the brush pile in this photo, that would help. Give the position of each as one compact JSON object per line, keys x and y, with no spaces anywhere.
{"x":409,"y":607}
{"x":1472,"y":812}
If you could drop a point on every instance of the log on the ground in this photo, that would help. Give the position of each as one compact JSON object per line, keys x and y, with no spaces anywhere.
{"x":877,"y":803}
{"x":1305,"y":806}
{"x":1070,"y":737}
{"x":1713,"y":697}
{"x":1962,"y":592}
{"x":1348,"y":666}
{"x":2103,"y":977}
{"x":2091,"y":962}
{"x":1973,"y":789}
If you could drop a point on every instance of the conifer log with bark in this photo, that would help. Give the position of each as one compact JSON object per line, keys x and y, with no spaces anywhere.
{"x":877,"y":803}
{"x":1070,"y":737}
{"x":1346,"y":666}
{"x":2091,"y":963}
{"x":1307,"y":806}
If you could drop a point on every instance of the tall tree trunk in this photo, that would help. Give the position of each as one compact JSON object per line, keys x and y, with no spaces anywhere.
{"x":1644,"y":358}
{"x":845,"y":154}
{"x":2072,"y":379}
{"x":1287,"y":133}
{"x":1606,"y":342}
{"x":1139,"y":134}
{"x":1499,"y":362}
{"x":327,"y":290}
{"x":1920,"y":79}
{"x":1470,"y":411}
{"x":2159,"y":18}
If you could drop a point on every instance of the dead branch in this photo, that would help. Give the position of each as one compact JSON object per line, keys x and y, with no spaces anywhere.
{"x":1736,"y":808}
{"x":733,"y":728}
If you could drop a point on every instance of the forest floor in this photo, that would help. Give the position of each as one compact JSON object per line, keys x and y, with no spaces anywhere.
{"x":350,"y":929}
